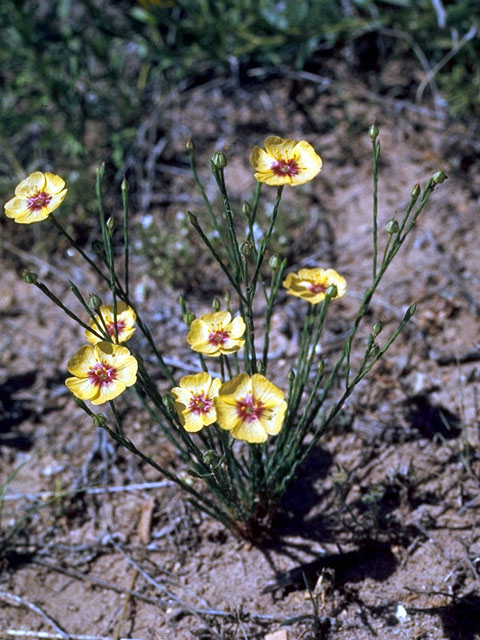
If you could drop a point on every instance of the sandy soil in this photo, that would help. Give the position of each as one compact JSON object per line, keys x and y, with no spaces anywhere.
{"x":382,"y":521}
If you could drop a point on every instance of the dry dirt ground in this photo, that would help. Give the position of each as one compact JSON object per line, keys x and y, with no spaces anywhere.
{"x":382,"y":521}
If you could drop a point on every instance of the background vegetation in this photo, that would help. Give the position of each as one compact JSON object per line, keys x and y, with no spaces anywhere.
{"x":80,"y":76}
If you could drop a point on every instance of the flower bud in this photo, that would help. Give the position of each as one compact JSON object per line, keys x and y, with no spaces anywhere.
{"x":439,"y":177}
{"x":260,"y":366}
{"x":374,"y":350}
{"x":410,"y":311}
{"x":415,"y":192}
{"x":216,"y":304}
{"x":124,"y":186}
{"x":392,"y":226}
{"x":30,"y":276}
{"x":246,"y":248}
{"x":182,"y":304}
{"x":274,"y":262}
{"x":373,"y":131}
{"x":291,"y":375}
{"x":188,"y":318}
{"x":332,"y":291}
{"x":169,"y":402}
{"x":94,"y":302}
{"x":99,"y":420}
{"x":377,"y":327}
{"x":190,"y":146}
{"x":246,"y":210}
{"x":111,"y":225}
{"x":210,"y":457}
{"x":219,"y":160}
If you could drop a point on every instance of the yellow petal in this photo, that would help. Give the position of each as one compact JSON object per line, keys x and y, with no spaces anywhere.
{"x":239,"y":386}
{"x":280,"y":148}
{"x":252,"y":432}
{"x":53,"y":183}
{"x":82,"y":388}
{"x":237,"y":327}
{"x":227,"y":416}
{"x":198,"y":333}
{"x":31,"y":185}
{"x":265,"y":391}
{"x":80,"y":364}
{"x":260,"y":160}
{"x":217,"y":318}
{"x":16,"y":207}
{"x":193,"y":421}
{"x":198,"y":383}
{"x":273,"y":419}
{"x":108,"y":392}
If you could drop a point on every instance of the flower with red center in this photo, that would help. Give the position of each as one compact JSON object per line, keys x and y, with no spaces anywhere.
{"x":216,"y":333}
{"x":126,"y":317}
{"x":252,"y":408}
{"x":195,"y":400}
{"x":36,"y":197}
{"x":101,"y":372}
{"x":285,"y":162}
{"x":311,"y":284}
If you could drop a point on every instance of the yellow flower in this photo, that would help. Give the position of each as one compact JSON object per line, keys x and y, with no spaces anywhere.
{"x":195,"y":400}
{"x":285,"y":162}
{"x":216,"y":333}
{"x":311,"y":284}
{"x":101,"y":372}
{"x":252,"y":408}
{"x":36,"y":197}
{"x":126,"y":317}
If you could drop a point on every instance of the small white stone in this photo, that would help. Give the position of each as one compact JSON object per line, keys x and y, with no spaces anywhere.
{"x":401,"y":613}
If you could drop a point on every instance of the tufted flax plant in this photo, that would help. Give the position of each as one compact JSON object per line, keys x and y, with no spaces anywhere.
{"x":242,"y":425}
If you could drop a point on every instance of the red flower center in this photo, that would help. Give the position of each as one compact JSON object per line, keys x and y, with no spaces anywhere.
{"x":285,"y":168}
{"x":249,"y":409}
{"x":102,"y":374}
{"x":218,"y":337}
{"x":111,"y":327}
{"x":38,"y":201}
{"x":316,"y":287}
{"x":200,"y":403}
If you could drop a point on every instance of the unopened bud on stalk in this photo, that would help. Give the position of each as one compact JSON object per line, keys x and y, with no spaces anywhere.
{"x":274,"y":262}
{"x":373,"y":131}
{"x":260,"y":366}
{"x":246,"y":210}
{"x":99,"y":420}
{"x":291,"y":375}
{"x":219,"y":160}
{"x":182,"y":304}
{"x":188,"y":318}
{"x":374,"y":350}
{"x":94,"y":302}
{"x":169,"y":402}
{"x":246,"y":248}
{"x":30,"y":276}
{"x":192,"y":218}
{"x":339,"y":477}
{"x":439,"y":177}
{"x":392,"y":226}
{"x":332,"y":291}
{"x":227,"y":297}
{"x":216,"y":304}
{"x":415,"y":192}
{"x":410,"y":311}
{"x":377,"y":327}
{"x":111,"y":225}
{"x":190,"y":146}
{"x":210,"y":457}
{"x":124,"y":186}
